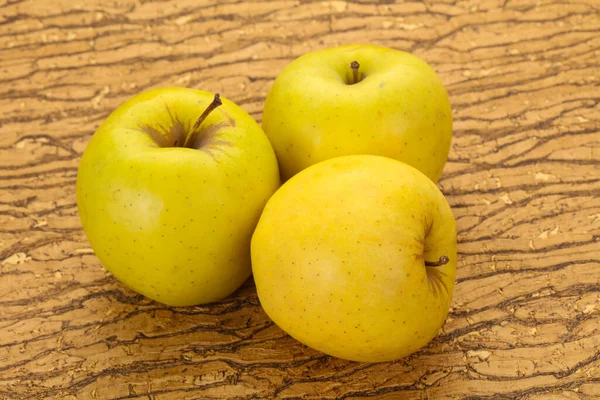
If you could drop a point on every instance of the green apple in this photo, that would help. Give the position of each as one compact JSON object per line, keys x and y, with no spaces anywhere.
{"x":359,"y":99}
{"x":356,"y":257}
{"x":169,"y":195}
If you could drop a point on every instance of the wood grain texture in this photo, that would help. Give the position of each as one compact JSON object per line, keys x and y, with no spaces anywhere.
{"x":523,"y":180}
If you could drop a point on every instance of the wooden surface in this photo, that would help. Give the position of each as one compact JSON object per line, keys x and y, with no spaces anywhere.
{"x":523,"y":180}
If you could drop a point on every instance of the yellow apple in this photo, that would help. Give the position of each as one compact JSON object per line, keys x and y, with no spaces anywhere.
{"x":356,"y":257}
{"x":358,"y":99}
{"x":169,"y":195}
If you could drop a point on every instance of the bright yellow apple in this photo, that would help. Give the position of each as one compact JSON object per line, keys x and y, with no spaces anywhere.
{"x":389,"y":103}
{"x":169,"y":200}
{"x":356,"y":257}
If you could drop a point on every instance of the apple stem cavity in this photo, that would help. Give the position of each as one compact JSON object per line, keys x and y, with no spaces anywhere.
{"x":442,"y":261}
{"x":355,"y":74}
{"x":189,"y":141}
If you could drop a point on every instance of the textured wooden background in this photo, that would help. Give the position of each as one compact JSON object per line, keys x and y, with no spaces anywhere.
{"x":523,"y":179}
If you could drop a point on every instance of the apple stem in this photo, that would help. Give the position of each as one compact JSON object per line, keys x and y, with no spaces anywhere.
{"x":442,"y":261}
{"x":355,"y":66}
{"x":189,"y":141}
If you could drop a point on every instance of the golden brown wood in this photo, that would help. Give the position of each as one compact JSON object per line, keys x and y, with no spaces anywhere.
{"x":523,"y":179}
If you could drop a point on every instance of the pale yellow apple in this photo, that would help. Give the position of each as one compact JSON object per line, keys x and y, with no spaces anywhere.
{"x":340,"y":258}
{"x":174,"y":223}
{"x":398,"y":108}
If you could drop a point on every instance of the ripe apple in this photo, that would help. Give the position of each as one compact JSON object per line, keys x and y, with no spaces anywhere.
{"x":358,"y":99}
{"x":356,"y":257}
{"x":169,"y":200}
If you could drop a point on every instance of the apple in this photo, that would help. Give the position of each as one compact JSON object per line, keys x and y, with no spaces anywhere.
{"x":356,"y":257}
{"x":358,"y":99}
{"x":169,"y":195}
